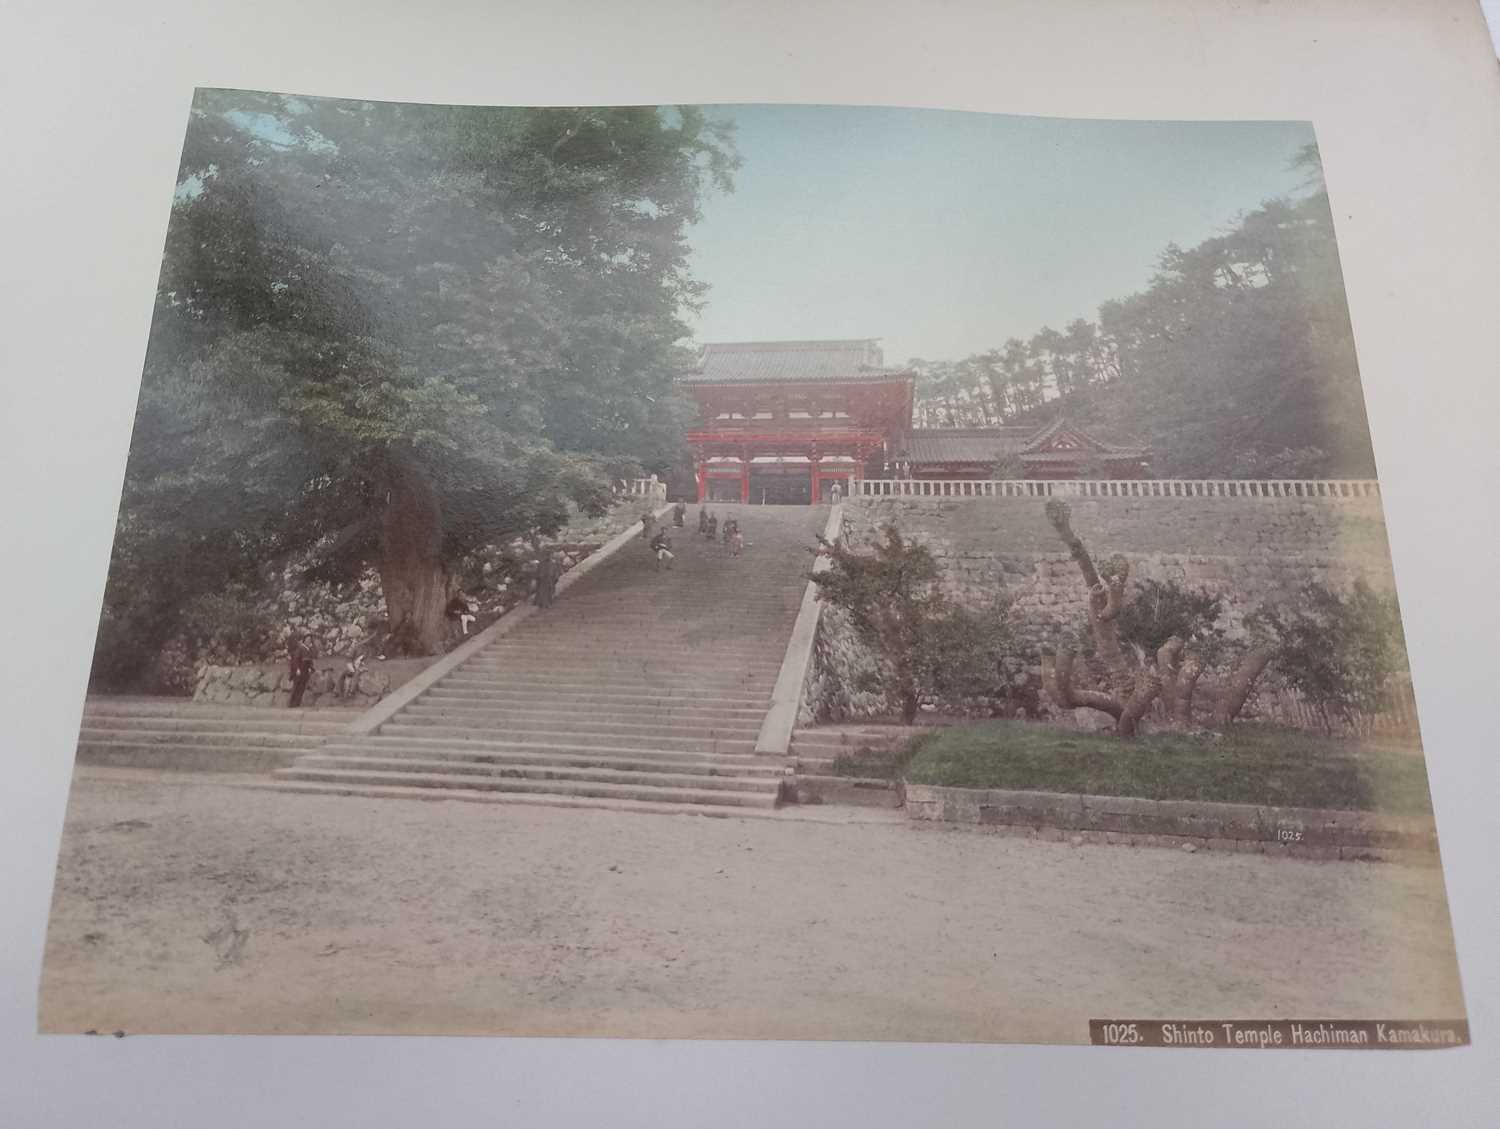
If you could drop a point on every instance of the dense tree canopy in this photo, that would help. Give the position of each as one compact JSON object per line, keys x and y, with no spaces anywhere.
{"x":399,"y":331}
{"x":1236,"y":361}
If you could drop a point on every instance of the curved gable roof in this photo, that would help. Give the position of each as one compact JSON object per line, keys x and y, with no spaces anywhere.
{"x":791,"y":362}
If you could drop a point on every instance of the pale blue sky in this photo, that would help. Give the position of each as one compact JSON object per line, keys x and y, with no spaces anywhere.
{"x":944,"y":233}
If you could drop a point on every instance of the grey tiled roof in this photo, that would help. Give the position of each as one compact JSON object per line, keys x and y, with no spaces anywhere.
{"x":1061,"y":424}
{"x":1107,"y":454}
{"x":734,"y":362}
{"x":968,"y":445}
{"x":987,"y":445}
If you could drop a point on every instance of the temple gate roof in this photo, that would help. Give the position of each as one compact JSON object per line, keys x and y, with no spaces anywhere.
{"x":792,"y":362}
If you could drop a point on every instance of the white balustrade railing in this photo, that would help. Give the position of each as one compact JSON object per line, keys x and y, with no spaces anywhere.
{"x":1329,"y":488}
{"x":645,"y":488}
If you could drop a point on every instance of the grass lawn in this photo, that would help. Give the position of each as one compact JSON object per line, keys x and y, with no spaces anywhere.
{"x":1250,"y":764}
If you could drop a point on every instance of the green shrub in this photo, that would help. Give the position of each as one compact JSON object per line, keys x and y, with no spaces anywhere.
{"x":1158,"y":610}
{"x":1339,"y":651}
{"x":928,"y":646}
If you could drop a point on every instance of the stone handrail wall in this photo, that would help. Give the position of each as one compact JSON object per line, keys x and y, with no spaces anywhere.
{"x":1300,"y":488}
{"x":789,"y":693}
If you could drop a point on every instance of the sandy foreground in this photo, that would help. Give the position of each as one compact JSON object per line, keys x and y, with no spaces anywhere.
{"x":188,"y":904}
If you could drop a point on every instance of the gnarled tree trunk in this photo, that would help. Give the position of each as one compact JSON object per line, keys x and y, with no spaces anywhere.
{"x":1131,"y":688}
{"x":412,"y":572}
{"x":1057,"y":680}
{"x":1234,"y":692}
{"x":1179,"y":679}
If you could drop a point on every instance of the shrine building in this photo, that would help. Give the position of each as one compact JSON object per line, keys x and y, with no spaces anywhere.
{"x":793,"y":421}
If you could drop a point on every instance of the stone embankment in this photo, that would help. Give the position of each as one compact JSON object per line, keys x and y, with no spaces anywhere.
{"x":1240,"y":828}
{"x":1250,"y":551}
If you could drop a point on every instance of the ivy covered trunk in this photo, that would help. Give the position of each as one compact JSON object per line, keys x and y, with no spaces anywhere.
{"x":412,"y":572}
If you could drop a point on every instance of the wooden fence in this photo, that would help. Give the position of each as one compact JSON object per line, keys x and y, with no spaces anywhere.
{"x":1394,"y":715}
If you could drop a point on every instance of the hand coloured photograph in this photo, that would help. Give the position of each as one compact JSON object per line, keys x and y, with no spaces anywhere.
{"x":750,"y":572}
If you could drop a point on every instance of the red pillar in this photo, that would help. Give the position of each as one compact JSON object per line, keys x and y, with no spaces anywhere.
{"x":816,"y":482}
{"x":744,"y":479}
{"x":702,"y":482}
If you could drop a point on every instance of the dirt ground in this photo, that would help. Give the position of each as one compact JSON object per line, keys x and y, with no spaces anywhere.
{"x":188,"y":904}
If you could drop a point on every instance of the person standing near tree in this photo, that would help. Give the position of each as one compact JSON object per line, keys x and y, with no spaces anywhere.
{"x":300,"y":656}
{"x":547,"y":570}
{"x":648,"y":526}
{"x":679,"y":514}
{"x":461,"y":609}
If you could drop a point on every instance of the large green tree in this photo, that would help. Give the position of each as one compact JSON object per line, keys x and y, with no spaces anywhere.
{"x":1236,"y":361}
{"x":399,"y":332}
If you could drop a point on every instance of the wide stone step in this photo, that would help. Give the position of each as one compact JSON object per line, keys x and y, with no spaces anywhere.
{"x":186,"y":758}
{"x":249,"y":739}
{"x":525,"y":705}
{"x":833,"y":780}
{"x":593,"y":663}
{"x":656,"y":778}
{"x":571,"y":737}
{"x":847,"y":742}
{"x":601,"y":692}
{"x":522,"y":675}
{"x":520,"y":799}
{"x":275,"y":723}
{"x":552,"y":744}
{"x":502,"y":698}
{"x":640,"y":760}
{"x":186,"y":708}
{"x":552,"y":722}
{"x":535,"y":675}
{"x":694,"y":590}
{"x":554,"y":645}
{"x":735,"y":636}
{"x":745,"y":625}
{"x":598,"y":790}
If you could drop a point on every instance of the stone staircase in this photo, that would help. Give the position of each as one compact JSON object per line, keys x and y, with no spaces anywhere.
{"x":641,"y":688}
{"x":182,"y":735}
{"x":827,"y":762}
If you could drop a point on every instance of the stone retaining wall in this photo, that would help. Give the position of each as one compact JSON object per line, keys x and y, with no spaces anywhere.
{"x":272,"y":686}
{"x":1241,"y":828}
{"x":1248,"y":550}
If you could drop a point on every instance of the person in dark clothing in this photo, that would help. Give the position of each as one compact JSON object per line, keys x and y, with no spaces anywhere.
{"x":712,"y":531}
{"x":648,"y":526}
{"x":461,"y":609}
{"x":548,"y":569}
{"x":702,"y":519}
{"x":661,"y":545}
{"x":300,"y":653}
{"x":679,"y":514}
